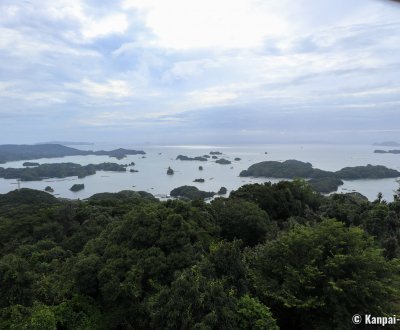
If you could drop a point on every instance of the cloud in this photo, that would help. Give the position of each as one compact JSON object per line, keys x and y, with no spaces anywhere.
{"x":182,"y":24}
{"x":190,"y":66}
{"x":114,"y":89}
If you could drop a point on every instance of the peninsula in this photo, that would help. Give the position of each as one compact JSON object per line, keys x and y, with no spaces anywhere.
{"x":58,"y":170}
{"x":322,"y":181}
{"x":14,"y":152}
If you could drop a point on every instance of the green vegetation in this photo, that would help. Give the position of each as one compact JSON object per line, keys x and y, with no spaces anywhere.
{"x":237,"y":159}
{"x":325,"y":185}
{"x":215,"y":153}
{"x":322,"y":181}
{"x":223,"y":161}
{"x":49,"y":189}
{"x":11,"y":152}
{"x":271,"y":256}
{"x":222,"y":191}
{"x":58,"y":170}
{"x":198,"y":180}
{"x":170,"y":171}
{"x":367,"y":172}
{"x":198,"y":158}
{"x":200,"y":168}
{"x":190,"y":192}
{"x":77,"y":187}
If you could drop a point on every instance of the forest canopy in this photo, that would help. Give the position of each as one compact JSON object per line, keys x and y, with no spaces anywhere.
{"x":271,"y":256}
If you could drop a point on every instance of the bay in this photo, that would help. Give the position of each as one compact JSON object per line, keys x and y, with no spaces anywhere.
{"x":152,"y":169}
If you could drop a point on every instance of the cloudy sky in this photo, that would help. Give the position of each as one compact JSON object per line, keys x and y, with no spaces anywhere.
{"x":191,"y":71}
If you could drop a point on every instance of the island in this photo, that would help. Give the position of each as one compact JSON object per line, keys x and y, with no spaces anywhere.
{"x":77,"y":187}
{"x":30,"y":164}
{"x":198,"y":180}
{"x":199,"y":158}
{"x":323,"y":180}
{"x":49,"y":189}
{"x":13,"y":152}
{"x":222,"y":191}
{"x":215,"y":153}
{"x":394,"y":151}
{"x":133,"y":170}
{"x":237,"y":159}
{"x":325,"y":185}
{"x":58,"y":170}
{"x":214,"y":157}
{"x":190,"y":192}
{"x":206,"y":156}
{"x":223,"y":161}
{"x":170,"y":171}
{"x":200,"y":168}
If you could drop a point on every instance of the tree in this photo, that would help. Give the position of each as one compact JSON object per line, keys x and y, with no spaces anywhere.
{"x":318,"y":277}
{"x":243,"y":220}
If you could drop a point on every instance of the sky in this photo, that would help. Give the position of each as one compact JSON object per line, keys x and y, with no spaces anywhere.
{"x":199,"y":72}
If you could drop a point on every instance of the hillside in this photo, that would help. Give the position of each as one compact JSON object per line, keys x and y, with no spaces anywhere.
{"x":264,"y":258}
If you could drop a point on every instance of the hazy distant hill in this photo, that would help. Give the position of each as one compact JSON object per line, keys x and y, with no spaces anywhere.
{"x":12,"y":152}
{"x":387,"y":144}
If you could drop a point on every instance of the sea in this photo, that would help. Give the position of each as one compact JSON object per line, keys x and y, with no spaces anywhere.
{"x":151,"y":176}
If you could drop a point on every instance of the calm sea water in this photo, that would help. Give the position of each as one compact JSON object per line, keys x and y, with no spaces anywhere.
{"x":152,"y":169}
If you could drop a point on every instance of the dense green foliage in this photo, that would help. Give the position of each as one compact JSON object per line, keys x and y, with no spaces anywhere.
{"x":190,"y":192}
{"x":325,"y":185}
{"x":367,"y":172}
{"x":271,"y":256}
{"x":322,"y":181}
{"x":58,"y":170}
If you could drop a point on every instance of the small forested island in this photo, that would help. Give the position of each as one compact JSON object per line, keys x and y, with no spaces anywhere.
{"x":322,"y":179}
{"x":223,"y":161}
{"x":133,"y":170}
{"x":30,"y":164}
{"x":270,"y":256}
{"x":214,"y":157}
{"x":198,"y":180}
{"x":222,"y":191}
{"x":77,"y":187}
{"x":170,"y":171}
{"x":190,"y":192}
{"x":200,"y":168}
{"x":325,"y":185}
{"x":215,"y":153}
{"x":12,"y":152}
{"x":206,"y":156}
{"x":395,"y":151}
{"x":237,"y":159}
{"x":198,"y":158}
{"x":49,"y":189}
{"x":57,"y":170}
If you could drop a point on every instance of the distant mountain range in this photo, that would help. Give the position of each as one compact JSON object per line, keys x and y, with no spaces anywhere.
{"x":68,"y":143}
